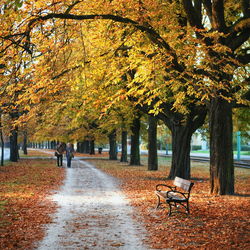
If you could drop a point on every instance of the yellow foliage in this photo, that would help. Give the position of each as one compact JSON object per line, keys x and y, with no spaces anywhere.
{"x":81,"y":71}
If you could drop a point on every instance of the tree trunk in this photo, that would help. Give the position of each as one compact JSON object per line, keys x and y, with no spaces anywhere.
{"x":25,"y":143}
{"x":2,"y":145}
{"x":78,"y":147}
{"x":135,"y":142}
{"x":124,"y":153}
{"x":13,"y":146}
{"x":112,"y":146}
{"x":81,"y":147}
{"x":182,"y":130}
{"x":181,"y":141}
{"x":92,"y":147}
{"x":221,"y":150}
{"x":84,"y":147}
{"x":152,"y":143}
{"x":53,"y":145}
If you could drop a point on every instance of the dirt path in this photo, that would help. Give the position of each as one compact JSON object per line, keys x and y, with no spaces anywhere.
{"x":93,"y":214}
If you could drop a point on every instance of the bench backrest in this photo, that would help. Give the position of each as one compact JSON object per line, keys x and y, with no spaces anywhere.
{"x":182,"y":183}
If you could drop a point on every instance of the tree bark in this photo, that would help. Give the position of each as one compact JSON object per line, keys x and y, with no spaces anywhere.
{"x":112,"y":146}
{"x":13,"y":146}
{"x":124,"y":153}
{"x":2,"y":145}
{"x":152,"y":143}
{"x":25,"y":143}
{"x":52,"y":145}
{"x":92,"y":147}
{"x":81,"y":147}
{"x":86,"y":147}
{"x":135,"y":142}
{"x":78,"y":147}
{"x":182,"y":128}
{"x":221,"y":149}
{"x":181,"y":141}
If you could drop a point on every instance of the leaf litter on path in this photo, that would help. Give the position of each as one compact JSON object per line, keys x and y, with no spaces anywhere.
{"x":93,"y":214}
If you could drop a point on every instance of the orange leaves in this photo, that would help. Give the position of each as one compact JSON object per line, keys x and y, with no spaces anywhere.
{"x":215,"y":222}
{"x":23,"y":207}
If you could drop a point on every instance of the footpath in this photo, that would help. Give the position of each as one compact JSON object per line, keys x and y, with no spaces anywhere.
{"x":92,"y":214}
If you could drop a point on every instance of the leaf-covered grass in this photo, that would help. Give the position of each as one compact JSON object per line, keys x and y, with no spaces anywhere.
{"x":37,"y":153}
{"x":24,"y":207}
{"x":215,"y":222}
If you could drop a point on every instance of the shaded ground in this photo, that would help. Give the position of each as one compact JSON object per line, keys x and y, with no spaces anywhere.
{"x":92,"y":214}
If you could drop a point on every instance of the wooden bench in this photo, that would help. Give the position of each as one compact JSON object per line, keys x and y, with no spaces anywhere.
{"x":174,"y":195}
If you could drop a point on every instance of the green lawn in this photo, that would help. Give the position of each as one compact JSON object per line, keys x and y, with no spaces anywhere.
{"x":207,"y":151}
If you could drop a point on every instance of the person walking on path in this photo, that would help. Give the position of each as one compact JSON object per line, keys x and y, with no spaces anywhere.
{"x":59,"y":154}
{"x":69,"y":154}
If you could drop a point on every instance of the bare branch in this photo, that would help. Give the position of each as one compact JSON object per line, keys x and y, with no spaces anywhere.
{"x":192,"y":15}
{"x":218,"y":19}
{"x":244,"y":59}
{"x":236,"y":41}
{"x":72,"y":6}
{"x":245,"y":8}
{"x":198,"y":8}
{"x":208,"y":6}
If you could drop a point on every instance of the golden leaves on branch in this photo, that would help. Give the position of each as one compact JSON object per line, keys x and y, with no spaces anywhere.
{"x":87,"y":64}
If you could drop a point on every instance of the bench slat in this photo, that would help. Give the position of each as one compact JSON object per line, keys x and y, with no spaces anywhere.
{"x":171,"y":195}
{"x":182,"y":183}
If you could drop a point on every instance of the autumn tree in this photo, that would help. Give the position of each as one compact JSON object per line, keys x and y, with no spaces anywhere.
{"x":61,"y":41}
{"x":183,"y":55}
{"x":226,"y":54}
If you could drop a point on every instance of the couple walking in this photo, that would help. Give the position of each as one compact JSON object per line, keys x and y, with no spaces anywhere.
{"x":69,"y":153}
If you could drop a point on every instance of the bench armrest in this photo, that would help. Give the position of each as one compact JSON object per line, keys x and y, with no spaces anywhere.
{"x":157,"y":187}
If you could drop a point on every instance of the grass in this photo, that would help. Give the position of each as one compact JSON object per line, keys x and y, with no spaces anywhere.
{"x":207,"y":152}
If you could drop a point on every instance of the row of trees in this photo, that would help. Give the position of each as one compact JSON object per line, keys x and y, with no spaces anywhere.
{"x":76,"y":69}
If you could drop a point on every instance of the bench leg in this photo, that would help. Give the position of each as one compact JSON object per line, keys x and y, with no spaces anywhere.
{"x":176,"y":205}
{"x":186,"y":206}
{"x":159,"y":201}
{"x":170,"y":208}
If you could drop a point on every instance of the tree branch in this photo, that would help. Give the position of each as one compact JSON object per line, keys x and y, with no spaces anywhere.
{"x":208,"y":6}
{"x":192,"y":15}
{"x":245,"y":8}
{"x":198,"y":8}
{"x":71,"y":7}
{"x":218,"y":19}
{"x":149,"y":31}
{"x":244,"y":59}
{"x":234,"y":42}
{"x":65,"y":72}
{"x":241,"y":25}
